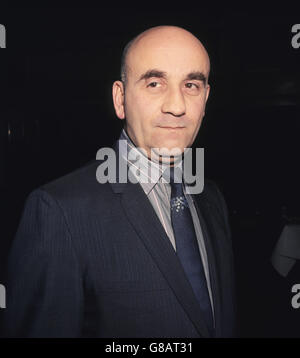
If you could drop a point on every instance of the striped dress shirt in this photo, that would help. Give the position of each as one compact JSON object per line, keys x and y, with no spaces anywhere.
{"x":158,"y":191}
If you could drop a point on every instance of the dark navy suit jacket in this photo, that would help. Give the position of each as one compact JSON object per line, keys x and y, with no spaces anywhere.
{"x":93,"y":260}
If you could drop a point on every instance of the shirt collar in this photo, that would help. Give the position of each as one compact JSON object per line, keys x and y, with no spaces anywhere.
{"x":150,"y":172}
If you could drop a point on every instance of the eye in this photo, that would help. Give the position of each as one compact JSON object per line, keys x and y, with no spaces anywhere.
{"x":153,"y":84}
{"x":192,"y":85}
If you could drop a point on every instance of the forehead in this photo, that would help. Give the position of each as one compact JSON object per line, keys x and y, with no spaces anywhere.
{"x":174,"y":56}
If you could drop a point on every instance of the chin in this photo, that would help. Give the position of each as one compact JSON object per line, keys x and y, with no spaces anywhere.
{"x":167,"y":150}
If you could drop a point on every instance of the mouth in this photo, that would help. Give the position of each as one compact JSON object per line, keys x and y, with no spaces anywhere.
{"x":171,"y":128}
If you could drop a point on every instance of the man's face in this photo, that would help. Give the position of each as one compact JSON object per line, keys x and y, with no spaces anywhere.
{"x":165,"y":93}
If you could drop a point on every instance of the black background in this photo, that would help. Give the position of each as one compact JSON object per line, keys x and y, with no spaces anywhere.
{"x":56,"y":111}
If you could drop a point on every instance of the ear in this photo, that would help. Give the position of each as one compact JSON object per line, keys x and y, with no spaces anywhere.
{"x":118,"y":98}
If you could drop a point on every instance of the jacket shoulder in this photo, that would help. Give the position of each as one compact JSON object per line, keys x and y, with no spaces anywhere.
{"x":212,"y":194}
{"x":78,"y":181}
{"x":80,"y":185}
{"x":213,"y":198}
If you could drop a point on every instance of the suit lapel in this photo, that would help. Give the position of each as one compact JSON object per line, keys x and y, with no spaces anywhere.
{"x":143,"y":218}
{"x":203,"y":210}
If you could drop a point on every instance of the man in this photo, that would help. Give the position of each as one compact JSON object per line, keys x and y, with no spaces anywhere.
{"x":142,"y":259}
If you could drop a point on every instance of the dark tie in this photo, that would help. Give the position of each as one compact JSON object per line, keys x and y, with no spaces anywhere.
{"x":187,"y":248}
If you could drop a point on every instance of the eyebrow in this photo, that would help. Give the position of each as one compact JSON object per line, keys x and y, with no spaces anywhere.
{"x":196,"y":75}
{"x":152,"y":73}
{"x":199,"y":76}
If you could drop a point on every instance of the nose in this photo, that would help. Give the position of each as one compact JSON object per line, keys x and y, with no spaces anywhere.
{"x":174,"y":102}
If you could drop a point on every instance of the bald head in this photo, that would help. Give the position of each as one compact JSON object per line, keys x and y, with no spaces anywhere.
{"x":162,"y":37}
{"x":166,"y":72}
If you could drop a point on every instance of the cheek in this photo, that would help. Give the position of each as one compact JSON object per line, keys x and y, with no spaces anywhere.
{"x":197,"y":108}
{"x":196,"y":116}
{"x":140,"y":108}
{"x":139,"y":114}
{"x":196,"y":113}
